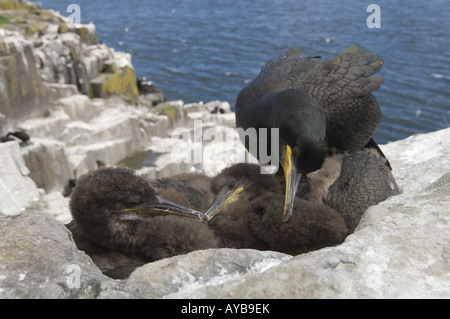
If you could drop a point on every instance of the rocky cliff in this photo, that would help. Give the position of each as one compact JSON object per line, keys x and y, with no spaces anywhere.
{"x":78,"y":100}
{"x":42,"y":59}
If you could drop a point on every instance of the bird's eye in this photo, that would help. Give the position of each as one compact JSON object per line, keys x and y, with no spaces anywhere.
{"x":130,"y":204}
{"x":131,"y":201}
{"x":231,"y":185}
{"x":296,"y":152}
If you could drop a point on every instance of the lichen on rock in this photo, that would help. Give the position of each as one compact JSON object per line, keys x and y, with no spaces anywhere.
{"x":115,"y":81}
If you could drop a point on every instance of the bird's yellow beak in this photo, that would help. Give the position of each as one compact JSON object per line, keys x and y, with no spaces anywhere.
{"x":223,"y":198}
{"x":292,"y":179}
{"x":165,"y":207}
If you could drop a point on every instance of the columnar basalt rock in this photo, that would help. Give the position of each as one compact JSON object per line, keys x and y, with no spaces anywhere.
{"x":41,"y":54}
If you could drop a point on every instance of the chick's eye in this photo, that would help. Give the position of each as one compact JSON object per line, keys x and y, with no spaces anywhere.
{"x":231,"y":185}
{"x":131,"y":201}
{"x":296,"y":152}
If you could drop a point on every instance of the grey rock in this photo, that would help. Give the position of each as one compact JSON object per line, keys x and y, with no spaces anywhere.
{"x":400,"y":250}
{"x":181,"y":276}
{"x":58,"y":91}
{"x":38,"y":259}
{"x":53,"y":204}
{"x":48,"y":164}
{"x":419,"y":160}
{"x":49,"y":126}
{"x":22,"y":94}
{"x":78,"y":107}
{"x":17,"y":189}
{"x":87,"y":33}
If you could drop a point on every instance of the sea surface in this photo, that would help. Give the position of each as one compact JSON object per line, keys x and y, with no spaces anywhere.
{"x":208,"y":50}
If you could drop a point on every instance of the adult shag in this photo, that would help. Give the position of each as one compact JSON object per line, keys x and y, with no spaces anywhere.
{"x":318,"y":107}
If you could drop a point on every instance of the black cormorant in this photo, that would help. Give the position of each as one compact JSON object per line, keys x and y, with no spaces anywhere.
{"x":5,"y":139}
{"x":317,"y":106}
{"x":23,"y":136}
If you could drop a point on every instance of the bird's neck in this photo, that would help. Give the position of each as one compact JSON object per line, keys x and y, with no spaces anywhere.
{"x":312,"y":156}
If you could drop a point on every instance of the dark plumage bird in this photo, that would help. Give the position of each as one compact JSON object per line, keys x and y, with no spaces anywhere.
{"x":351,"y":183}
{"x":72,"y":182}
{"x":312,"y":226}
{"x":234,"y":189}
{"x":4,"y":139}
{"x":119,"y":211}
{"x":212,"y":195}
{"x":249,"y":218}
{"x":317,"y":106}
{"x":111,"y":262}
{"x":24,"y":137}
{"x":100,"y":163}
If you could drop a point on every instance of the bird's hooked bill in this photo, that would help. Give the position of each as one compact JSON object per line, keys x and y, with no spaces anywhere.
{"x":223,"y":198}
{"x":292,"y":178}
{"x":165,"y":207}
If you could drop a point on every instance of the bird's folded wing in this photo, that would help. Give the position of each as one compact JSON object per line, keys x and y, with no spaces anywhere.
{"x":344,"y":77}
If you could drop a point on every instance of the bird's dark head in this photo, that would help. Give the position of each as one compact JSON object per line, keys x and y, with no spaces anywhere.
{"x":115,"y":195}
{"x":107,"y":191}
{"x":247,"y":176}
{"x":302,"y":148}
{"x":240,"y":182}
{"x":305,"y":157}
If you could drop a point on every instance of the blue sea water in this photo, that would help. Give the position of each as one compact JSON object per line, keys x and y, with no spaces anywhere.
{"x":208,"y":50}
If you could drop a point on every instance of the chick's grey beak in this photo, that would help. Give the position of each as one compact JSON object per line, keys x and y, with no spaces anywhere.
{"x":165,"y":207}
{"x":223,"y":198}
